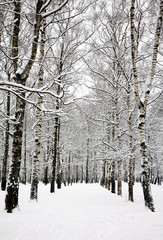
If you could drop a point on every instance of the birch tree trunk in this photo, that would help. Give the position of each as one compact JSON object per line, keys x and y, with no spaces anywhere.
{"x":87,"y":162}
{"x":119,"y":184}
{"x":56,"y":147}
{"x":76,"y":173}
{"x":95,"y":169}
{"x":6,"y":146}
{"x":142,"y":103}
{"x":69,"y":169}
{"x":119,"y":161}
{"x":109,"y":175}
{"x":54,"y":161}
{"x":56,"y":157}
{"x":82,"y":174}
{"x":59,"y":170}
{"x":13,"y":181}
{"x":46,"y":160}
{"x":113,"y":132}
{"x":36,"y":159}
{"x":2,"y":155}
{"x":113,"y":177}
{"x":20,"y":77}
{"x":113,"y":161}
{"x":11,"y":199}
{"x":131,"y":158}
{"x":102,"y":182}
{"x":24,"y":168}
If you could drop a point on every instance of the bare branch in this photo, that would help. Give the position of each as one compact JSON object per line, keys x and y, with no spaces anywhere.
{"x":56,"y":10}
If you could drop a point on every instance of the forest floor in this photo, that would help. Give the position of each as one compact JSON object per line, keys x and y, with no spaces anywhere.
{"x":82,"y":212}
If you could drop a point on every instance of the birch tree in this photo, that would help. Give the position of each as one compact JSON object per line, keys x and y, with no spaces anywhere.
{"x":20,"y":77}
{"x":71,"y":37}
{"x":142,"y":103}
{"x":6,"y":145}
{"x":35,"y":175}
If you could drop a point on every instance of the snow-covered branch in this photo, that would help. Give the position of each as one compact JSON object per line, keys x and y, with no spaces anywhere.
{"x":45,"y":15}
{"x":20,"y":87}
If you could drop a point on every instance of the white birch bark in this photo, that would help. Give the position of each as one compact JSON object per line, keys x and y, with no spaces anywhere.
{"x":36,"y":159}
{"x":131,"y":158}
{"x":142,"y":104}
{"x":11,"y":199}
{"x":6,"y":146}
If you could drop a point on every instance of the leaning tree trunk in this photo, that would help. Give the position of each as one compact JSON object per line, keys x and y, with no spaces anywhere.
{"x":142,"y":104}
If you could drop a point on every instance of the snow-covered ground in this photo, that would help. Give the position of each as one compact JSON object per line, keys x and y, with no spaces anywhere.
{"x":82,"y":212}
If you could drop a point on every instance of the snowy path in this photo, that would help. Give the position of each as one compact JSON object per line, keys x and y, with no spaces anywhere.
{"x":82,"y":212}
